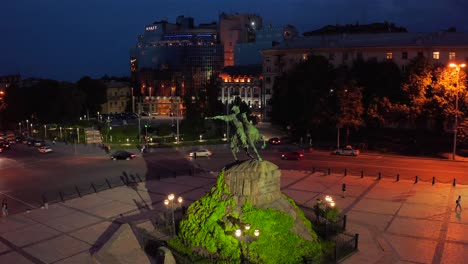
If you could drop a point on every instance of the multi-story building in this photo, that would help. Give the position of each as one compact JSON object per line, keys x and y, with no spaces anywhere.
{"x":401,"y":48}
{"x":237,"y":28}
{"x":244,"y":82}
{"x":173,"y":59}
{"x":118,"y":95}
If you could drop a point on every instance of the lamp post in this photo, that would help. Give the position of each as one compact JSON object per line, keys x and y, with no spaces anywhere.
{"x":45,"y":132}
{"x":78,"y":135}
{"x":27,"y":126}
{"x":19,"y":127}
{"x":457,"y":71}
{"x":172,"y":205}
{"x":247,"y":237}
{"x":61,"y":133}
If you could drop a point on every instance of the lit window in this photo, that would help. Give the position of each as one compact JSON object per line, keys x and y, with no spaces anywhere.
{"x":389,"y":55}
{"x":451,"y":55}
{"x":436,"y":55}
{"x":304,"y":56}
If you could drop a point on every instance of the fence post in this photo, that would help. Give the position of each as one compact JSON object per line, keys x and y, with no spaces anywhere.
{"x":108,"y":184}
{"x":380,"y":176}
{"x":61,"y":196}
{"x":433,"y":180}
{"x":416,"y":179}
{"x":454,"y":182}
{"x":138,"y":176}
{"x":398,"y":177}
{"x":94,"y":187}
{"x":344,"y":222}
{"x":328,"y":171}
{"x":362,"y":173}
{"x":78,"y":191}
{"x":356,"y":241}
{"x":123,"y":180}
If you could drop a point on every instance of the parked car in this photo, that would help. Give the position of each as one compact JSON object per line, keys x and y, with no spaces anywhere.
{"x":200,"y":153}
{"x":347,"y":151}
{"x":122,"y":155}
{"x":274,"y":141}
{"x":45,"y":149}
{"x":293,"y":155}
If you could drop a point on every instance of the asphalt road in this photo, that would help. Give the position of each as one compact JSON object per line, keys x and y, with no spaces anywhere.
{"x":26,"y":175}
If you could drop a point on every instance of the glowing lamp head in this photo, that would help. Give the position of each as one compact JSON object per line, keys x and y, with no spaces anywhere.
{"x":166,"y":202}
{"x":238,"y":233}
{"x":180,"y":200}
{"x":247,"y":227}
{"x":256,"y":232}
{"x":171,"y":197}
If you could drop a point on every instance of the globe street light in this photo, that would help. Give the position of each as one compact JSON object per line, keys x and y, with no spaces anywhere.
{"x":172,"y":205}
{"x":457,"y":71}
{"x":45,"y":132}
{"x":27,"y":126}
{"x":247,"y":238}
{"x":19,"y":127}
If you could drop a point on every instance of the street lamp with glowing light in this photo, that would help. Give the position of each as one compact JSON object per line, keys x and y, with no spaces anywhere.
{"x":457,"y":71}
{"x":172,"y":205}
{"x":247,"y":237}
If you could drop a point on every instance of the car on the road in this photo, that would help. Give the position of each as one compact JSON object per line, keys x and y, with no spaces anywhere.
{"x":39,"y":143}
{"x":122,"y":155}
{"x":293,"y":155}
{"x":347,"y":151}
{"x":45,"y":149}
{"x":274,"y":141}
{"x":4,"y":145}
{"x":200,"y":153}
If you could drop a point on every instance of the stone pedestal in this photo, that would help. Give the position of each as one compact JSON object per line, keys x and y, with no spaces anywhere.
{"x":258,"y":181}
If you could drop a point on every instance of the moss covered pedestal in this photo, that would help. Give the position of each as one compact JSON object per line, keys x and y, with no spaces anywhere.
{"x":248,"y":193}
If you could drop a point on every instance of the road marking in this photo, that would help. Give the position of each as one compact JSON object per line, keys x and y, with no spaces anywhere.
{"x":19,"y":200}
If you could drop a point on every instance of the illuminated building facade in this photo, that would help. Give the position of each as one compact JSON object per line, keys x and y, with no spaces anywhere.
{"x":174,"y":59}
{"x":244,"y":82}
{"x":118,"y":94}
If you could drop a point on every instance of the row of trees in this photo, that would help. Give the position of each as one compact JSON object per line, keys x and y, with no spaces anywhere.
{"x":50,"y":101}
{"x":369,"y":94}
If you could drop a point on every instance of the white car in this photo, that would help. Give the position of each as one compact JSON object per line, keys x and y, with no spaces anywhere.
{"x":200,"y":153}
{"x":347,"y":151}
{"x":45,"y":149}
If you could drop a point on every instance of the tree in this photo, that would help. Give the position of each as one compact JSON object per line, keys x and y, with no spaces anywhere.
{"x":301,"y":97}
{"x":95,"y":94}
{"x":350,"y":109}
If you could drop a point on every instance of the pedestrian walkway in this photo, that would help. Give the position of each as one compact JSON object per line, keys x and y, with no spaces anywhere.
{"x":397,"y":222}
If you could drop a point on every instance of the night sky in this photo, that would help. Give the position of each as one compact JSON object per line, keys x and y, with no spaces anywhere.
{"x":68,"y":39}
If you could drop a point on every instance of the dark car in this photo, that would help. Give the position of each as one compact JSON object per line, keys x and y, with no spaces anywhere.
{"x":274,"y":141}
{"x":122,"y":155}
{"x":294,"y":155}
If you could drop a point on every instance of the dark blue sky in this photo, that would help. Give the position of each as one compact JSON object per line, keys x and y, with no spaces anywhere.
{"x":68,"y":39}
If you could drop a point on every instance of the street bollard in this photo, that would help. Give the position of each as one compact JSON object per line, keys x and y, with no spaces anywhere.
{"x":313,"y":169}
{"x":454,"y":182}
{"x":329,"y":171}
{"x":398,"y":177}
{"x":61,"y":196}
{"x":78,"y":191}
{"x":433,"y":180}
{"x":108,"y":184}
{"x":362,"y":173}
{"x":345,"y":172}
{"x":380,"y":176}
{"x":416,"y":179}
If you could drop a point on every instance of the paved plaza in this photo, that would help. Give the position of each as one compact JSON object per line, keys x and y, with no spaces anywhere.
{"x":397,"y":222}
